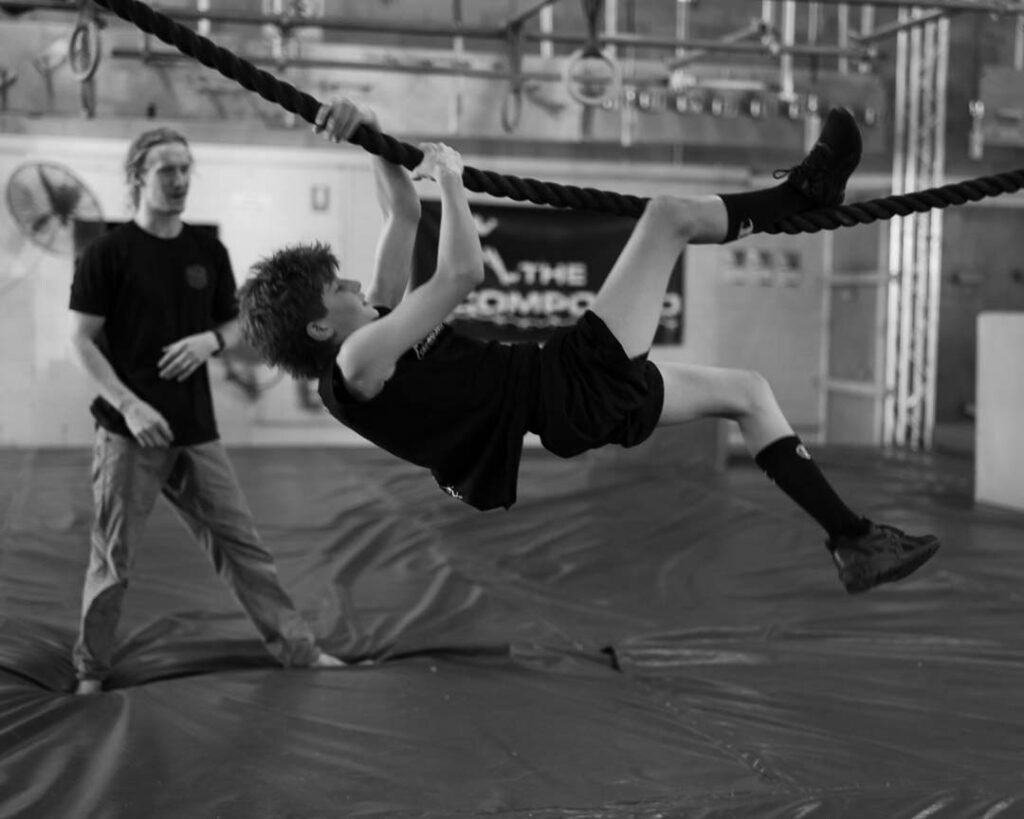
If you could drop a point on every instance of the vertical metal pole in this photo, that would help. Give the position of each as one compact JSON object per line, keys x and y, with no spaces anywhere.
{"x":682,"y":23}
{"x":768,"y":15}
{"x":867,"y":18}
{"x":915,"y":248}
{"x":941,"y":56}
{"x":1018,"y":42}
{"x":547,"y":26}
{"x":611,"y":24}
{"x":274,"y":33}
{"x":768,"y":18}
{"x":788,"y":39}
{"x":458,"y":47}
{"x":904,"y":406}
{"x":867,"y":24}
{"x":891,"y":413}
{"x":682,"y":34}
{"x":203,"y":24}
{"x":627,"y":110}
{"x":843,"y":26}
{"x":922,"y":238}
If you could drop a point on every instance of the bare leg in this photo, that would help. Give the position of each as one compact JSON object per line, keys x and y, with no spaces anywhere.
{"x":745,"y":397}
{"x":630,"y":300}
{"x":693,"y":391}
{"x":865,"y":553}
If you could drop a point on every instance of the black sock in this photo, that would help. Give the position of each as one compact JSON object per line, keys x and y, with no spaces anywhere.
{"x":787,"y":463}
{"x":758,"y":210}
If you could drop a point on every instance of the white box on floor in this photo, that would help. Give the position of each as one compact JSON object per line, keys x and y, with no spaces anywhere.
{"x":999,"y":427}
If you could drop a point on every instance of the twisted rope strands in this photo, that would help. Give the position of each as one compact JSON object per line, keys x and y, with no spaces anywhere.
{"x":291,"y":99}
{"x":298,"y":102}
{"x":862,"y":213}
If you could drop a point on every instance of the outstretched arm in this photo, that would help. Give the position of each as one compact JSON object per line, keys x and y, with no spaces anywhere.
{"x":367,"y":357}
{"x":401,"y":208}
{"x":396,"y":196}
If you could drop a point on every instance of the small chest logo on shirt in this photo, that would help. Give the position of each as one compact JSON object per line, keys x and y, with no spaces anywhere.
{"x":451,"y":490}
{"x":196,"y":276}
{"x":423,"y":347}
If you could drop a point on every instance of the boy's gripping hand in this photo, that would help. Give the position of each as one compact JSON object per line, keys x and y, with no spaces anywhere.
{"x":438,"y":159}
{"x":338,"y":119}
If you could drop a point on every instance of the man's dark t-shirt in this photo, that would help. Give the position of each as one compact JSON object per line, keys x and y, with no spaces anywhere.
{"x":153,"y":292}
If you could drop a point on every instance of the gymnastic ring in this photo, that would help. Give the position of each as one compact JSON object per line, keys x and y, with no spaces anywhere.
{"x":579,"y":91}
{"x":511,"y":109}
{"x":84,"y":50}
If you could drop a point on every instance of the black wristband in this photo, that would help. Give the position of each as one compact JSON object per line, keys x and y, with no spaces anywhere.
{"x":220,"y":342}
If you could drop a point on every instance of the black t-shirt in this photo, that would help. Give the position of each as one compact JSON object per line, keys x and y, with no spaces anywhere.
{"x":456,"y":405}
{"x":153,"y":292}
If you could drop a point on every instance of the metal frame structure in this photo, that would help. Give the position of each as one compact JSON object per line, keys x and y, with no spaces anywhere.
{"x":545,"y":38}
{"x":915,"y":242}
{"x":907,"y":390}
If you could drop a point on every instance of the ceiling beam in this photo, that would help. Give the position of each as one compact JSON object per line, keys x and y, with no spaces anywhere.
{"x":984,"y":6}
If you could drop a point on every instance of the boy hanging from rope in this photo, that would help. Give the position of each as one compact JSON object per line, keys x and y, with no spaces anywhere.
{"x":391,"y":369}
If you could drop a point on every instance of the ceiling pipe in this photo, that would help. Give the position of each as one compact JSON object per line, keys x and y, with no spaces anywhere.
{"x":985,"y":6}
{"x":376,"y":65}
{"x":487,"y":32}
{"x":756,"y":28}
{"x":882,"y":32}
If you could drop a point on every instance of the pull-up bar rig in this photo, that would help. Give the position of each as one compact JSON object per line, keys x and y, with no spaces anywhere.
{"x":547,"y":193}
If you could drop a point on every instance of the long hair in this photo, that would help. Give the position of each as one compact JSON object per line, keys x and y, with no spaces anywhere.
{"x":138,"y":151}
{"x":283,"y":294}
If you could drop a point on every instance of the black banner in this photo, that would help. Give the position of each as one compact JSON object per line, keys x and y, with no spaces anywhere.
{"x":543,"y":268}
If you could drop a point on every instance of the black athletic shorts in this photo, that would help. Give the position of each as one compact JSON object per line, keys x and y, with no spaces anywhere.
{"x":591,"y":393}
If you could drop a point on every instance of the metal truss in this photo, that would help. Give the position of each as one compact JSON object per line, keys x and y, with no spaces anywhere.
{"x":915,"y":242}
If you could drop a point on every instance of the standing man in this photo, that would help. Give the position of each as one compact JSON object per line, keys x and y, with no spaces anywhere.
{"x":152,"y":301}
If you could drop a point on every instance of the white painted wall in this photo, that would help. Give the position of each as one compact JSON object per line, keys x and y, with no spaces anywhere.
{"x":999,"y":434}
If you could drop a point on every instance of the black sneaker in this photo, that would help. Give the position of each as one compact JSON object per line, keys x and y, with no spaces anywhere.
{"x":881,"y":555}
{"x":822,"y":175}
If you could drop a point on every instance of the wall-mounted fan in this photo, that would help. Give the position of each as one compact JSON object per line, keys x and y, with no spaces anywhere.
{"x":45,"y":198}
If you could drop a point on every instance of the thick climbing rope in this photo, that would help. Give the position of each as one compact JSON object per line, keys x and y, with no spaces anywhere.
{"x":518,"y":189}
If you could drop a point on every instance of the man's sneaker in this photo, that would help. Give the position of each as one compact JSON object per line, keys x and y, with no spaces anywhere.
{"x":822,"y":175}
{"x":881,"y":555}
